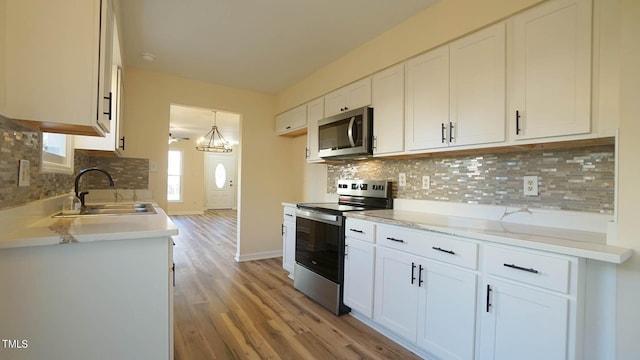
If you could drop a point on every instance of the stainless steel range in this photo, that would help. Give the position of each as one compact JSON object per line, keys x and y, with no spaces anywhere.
{"x":319,"y":269}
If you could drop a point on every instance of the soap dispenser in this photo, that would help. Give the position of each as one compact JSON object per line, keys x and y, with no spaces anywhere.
{"x":71,"y":204}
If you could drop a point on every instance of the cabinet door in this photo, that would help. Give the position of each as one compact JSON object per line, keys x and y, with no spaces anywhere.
{"x":552,"y":70}
{"x":447,"y":311}
{"x":289,"y":246}
{"x":477,"y":91}
{"x":334,"y":102}
{"x":292,"y":121}
{"x":427,"y":110}
{"x":387,"y":98}
{"x":523,"y":323}
{"x":54,"y":72}
{"x":289,"y":239}
{"x":359,"y":275}
{"x":358,"y":94}
{"x":396,"y":292}
{"x":111,"y":142}
{"x":347,"y":98}
{"x":106,"y":95}
{"x":315,"y":113}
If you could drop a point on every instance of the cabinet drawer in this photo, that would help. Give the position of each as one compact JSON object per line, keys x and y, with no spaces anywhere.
{"x":535,"y":269}
{"x":431,"y":245}
{"x":360,"y":229}
{"x":289,"y":213}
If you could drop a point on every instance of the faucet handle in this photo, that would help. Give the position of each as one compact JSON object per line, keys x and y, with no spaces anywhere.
{"x":81,"y":196}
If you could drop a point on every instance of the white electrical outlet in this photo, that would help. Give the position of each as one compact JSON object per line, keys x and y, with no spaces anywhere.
{"x":530,"y":185}
{"x":402,"y":179}
{"x":426,"y":182}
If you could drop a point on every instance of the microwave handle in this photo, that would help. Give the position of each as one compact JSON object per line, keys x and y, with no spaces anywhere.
{"x":350,"y":131}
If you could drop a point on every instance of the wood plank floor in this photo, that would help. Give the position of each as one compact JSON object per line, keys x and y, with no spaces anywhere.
{"x":250,"y":310}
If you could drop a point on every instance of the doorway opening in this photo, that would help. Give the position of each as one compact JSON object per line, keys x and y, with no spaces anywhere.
{"x":209,"y":179}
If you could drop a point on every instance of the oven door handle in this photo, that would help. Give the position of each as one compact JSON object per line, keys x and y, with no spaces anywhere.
{"x":318,"y":216}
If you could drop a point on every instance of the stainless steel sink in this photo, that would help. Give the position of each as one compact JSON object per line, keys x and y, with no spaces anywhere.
{"x":111,"y":209}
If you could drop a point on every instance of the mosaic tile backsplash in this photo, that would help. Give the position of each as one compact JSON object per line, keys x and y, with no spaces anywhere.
{"x":18,"y":142}
{"x":578,"y":179}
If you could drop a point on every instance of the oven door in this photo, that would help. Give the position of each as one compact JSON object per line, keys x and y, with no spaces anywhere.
{"x":320,"y":242}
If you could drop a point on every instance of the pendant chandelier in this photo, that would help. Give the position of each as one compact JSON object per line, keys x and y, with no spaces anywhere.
{"x":213,"y":141}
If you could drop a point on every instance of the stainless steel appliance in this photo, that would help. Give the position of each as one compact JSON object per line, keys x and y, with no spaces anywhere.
{"x":319,"y":268}
{"x":346,"y":135}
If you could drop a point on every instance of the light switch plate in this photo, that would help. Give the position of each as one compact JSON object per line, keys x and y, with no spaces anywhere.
{"x":530,"y":185}
{"x":24,"y":173}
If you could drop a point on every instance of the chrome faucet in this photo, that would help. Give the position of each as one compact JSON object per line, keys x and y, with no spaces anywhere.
{"x":84,"y":171}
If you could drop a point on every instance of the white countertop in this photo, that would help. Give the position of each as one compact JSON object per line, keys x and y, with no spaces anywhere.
{"x":32,"y":225}
{"x":590,"y":245}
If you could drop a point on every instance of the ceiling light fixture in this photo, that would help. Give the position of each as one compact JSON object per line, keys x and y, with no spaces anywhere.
{"x":148,"y":57}
{"x":173,"y":138}
{"x":210,"y":143}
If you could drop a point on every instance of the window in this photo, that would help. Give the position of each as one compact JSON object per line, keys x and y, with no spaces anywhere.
{"x":174,"y":181}
{"x":57,"y":153}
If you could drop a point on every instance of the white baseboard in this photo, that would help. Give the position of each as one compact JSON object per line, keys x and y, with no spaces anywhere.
{"x":185,"y":212}
{"x":258,"y":256}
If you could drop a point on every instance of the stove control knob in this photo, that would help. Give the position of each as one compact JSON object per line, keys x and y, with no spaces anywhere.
{"x":354,"y":186}
{"x":363,"y":186}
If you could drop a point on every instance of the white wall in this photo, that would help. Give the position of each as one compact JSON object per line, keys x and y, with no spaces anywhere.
{"x":264,"y":158}
{"x":628,"y":287}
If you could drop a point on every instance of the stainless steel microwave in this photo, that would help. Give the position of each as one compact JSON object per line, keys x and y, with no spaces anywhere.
{"x":346,"y":135}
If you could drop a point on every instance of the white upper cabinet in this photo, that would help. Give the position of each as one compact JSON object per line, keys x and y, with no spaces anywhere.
{"x":292,"y":122}
{"x":456,"y":93}
{"x":387,"y":99}
{"x":114,"y":140}
{"x":349,"y":97}
{"x":315,"y":113}
{"x":58,"y":64}
{"x":427,"y":101}
{"x":477,"y":93}
{"x":551,"y":93}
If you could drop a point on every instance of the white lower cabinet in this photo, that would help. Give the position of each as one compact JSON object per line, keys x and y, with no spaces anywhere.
{"x":359,"y":268}
{"x":429,"y":303}
{"x":530,"y":308}
{"x":289,"y":239}
{"x":424,"y":289}
{"x":396,"y":292}
{"x":523,"y":323}
{"x":447,"y":311}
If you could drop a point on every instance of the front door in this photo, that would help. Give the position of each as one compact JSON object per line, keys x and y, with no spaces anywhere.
{"x":219,"y":181}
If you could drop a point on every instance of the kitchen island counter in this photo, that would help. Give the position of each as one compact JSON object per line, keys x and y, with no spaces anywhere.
{"x":33,"y":225}
{"x":105,"y":274}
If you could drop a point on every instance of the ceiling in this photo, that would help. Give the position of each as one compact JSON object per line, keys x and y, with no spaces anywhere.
{"x":191,"y":122}
{"x":260,"y":45}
